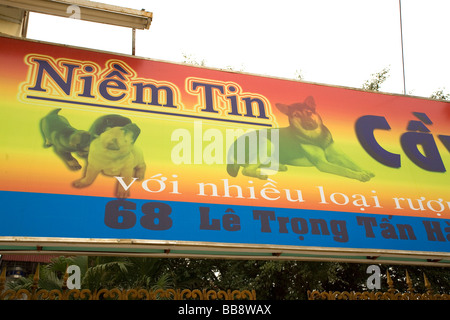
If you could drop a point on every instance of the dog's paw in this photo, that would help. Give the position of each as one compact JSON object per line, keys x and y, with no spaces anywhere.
{"x":139,"y":172}
{"x":371,"y":174}
{"x":365,"y":176}
{"x":121,"y":193}
{"x":260,"y":174}
{"x":73,"y":165}
{"x":80,"y":183}
{"x":254,"y":172}
{"x":140,"y":175}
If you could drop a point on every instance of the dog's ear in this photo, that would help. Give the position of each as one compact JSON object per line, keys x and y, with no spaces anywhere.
{"x":309,"y":101}
{"x":80,"y":139}
{"x":284,"y":108}
{"x":85,"y":139}
{"x":133,"y":128}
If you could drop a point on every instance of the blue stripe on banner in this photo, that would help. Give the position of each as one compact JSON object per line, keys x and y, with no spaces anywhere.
{"x":182,"y":115}
{"x":68,"y":216}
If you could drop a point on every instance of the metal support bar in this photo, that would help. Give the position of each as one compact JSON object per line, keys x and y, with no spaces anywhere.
{"x":401,"y":37}
{"x":86,"y":10}
{"x":24,"y":30}
{"x":133,"y":39}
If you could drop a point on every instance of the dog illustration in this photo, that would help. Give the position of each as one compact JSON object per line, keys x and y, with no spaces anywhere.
{"x":106,"y":122}
{"x":113,"y":153}
{"x":103,"y":123}
{"x":57,"y":132}
{"x":305,"y":142}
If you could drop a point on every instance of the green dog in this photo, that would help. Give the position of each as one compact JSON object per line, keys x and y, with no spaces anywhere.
{"x":65,"y":139}
{"x":305,"y":142}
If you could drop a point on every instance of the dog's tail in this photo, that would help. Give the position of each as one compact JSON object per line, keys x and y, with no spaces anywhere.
{"x":233,"y":169}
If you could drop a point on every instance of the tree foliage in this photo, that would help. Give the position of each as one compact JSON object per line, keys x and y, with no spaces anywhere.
{"x":271,"y":279}
{"x":376,"y":80}
{"x":440,"y":95}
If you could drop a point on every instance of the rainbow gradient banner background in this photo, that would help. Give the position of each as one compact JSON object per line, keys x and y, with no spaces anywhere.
{"x":188,"y":118}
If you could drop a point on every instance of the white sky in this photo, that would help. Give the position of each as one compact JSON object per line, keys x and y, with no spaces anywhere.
{"x":332,"y":42}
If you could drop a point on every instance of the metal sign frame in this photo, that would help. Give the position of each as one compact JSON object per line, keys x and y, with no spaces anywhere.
{"x":193,"y":206}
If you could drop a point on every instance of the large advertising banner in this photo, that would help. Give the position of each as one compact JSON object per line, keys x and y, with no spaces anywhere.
{"x":98,"y":148}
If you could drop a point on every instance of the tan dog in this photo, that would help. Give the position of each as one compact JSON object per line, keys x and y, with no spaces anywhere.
{"x":113,"y":153}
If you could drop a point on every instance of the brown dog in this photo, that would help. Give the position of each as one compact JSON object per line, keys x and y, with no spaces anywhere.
{"x":305,"y":142}
{"x":113,"y":153}
{"x":65,"y":139}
